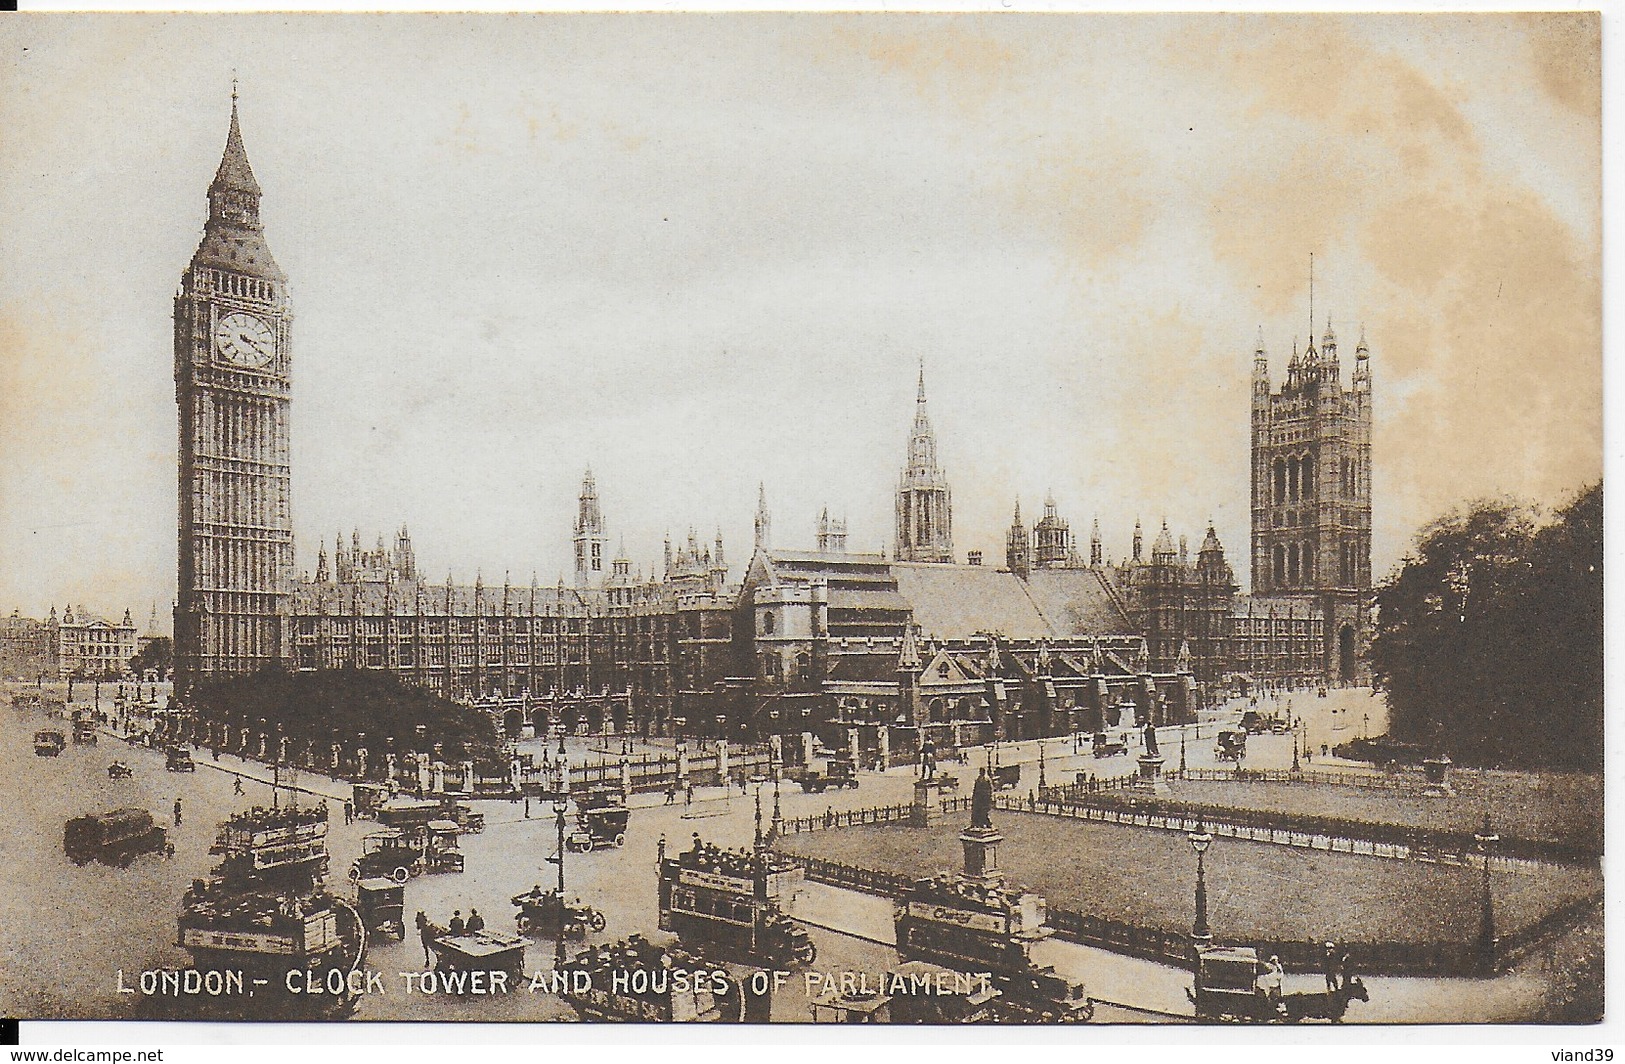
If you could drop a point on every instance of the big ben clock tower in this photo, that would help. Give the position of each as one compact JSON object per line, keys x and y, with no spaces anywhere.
{"x":235,"y":558}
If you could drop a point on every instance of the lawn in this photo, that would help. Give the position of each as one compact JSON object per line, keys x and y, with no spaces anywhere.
{"x":1255,"y":890}
{"x":1564,"y":807}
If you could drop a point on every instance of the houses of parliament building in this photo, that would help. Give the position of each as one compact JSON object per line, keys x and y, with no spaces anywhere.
{"x":886,"y":650}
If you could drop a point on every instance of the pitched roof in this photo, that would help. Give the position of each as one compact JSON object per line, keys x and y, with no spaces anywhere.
{"x":1077,"y":602}
{"x":958,"y":601}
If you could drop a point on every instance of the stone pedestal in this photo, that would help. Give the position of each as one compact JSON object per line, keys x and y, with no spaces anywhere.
{"x":1150,"y":780}
{"x":927,"y":802}
{"x":1437,"y":772}
{"x":981,"y":847}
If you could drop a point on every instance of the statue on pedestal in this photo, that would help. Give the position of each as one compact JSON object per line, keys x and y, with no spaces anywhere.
{"x":981,"y":801}
{"x":1151,"y":740}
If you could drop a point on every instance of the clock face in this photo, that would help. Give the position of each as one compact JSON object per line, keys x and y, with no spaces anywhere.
{"x":245,"y":340}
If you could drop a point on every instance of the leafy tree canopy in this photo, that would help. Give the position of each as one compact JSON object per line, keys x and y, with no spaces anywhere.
{"x":158,"y":654}
{"x":1489,"y":640}
{"x":345,"y":704}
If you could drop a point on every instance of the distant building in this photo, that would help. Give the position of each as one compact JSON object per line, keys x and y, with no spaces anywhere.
{"x":78,"y":643}
{"x":28,"y":646}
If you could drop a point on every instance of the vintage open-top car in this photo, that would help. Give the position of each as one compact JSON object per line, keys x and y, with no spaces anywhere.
{"x":1231,"y":745}
{"x":547,"y":910}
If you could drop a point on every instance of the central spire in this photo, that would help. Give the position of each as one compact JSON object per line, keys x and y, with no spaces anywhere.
{"x":235,"y":174}
{"x":924,"y":505}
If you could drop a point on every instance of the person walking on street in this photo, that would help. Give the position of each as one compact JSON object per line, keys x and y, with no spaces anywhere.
{"x":426,"y":933}
{"x":349,"y":811}
{"x":1329,"y":963}
{"x":236,"y":785}
{"x":177,"y":812}
{"x":671,"y":794}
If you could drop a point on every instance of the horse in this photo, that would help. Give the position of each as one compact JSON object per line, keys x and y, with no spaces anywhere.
{"x":1328,"y":1005}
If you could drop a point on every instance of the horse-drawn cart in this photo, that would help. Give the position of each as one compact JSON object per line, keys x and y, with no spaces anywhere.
{"x":1228,"y":990}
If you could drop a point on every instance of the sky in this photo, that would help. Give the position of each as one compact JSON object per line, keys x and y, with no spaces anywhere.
{"x":702,"y":252}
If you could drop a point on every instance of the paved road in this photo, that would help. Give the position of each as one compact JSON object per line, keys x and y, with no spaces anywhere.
{"x":83,"y":924}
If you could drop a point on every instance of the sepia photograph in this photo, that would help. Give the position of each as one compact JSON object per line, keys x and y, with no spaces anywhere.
{"x":802,"y":518}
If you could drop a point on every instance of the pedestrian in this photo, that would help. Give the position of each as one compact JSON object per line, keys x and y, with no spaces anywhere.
{"x":688,"y":795}
{"x":426,"y":933}
{"x":476,"y":922}
{"x":236,"y":785}
{"x":177,"y":812}
{"x":671,"y":794}
{"x":1329,"y":964}
{"x":527,"y":807}
{"x":349,"y":811}
{"x":456,"y":926}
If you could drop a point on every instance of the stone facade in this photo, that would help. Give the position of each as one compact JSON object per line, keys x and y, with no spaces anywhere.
{"x":1311,"y":496}
{"x":235,"y":571}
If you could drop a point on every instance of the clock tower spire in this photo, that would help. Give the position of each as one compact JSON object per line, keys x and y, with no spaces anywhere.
{"x":235,"y":530}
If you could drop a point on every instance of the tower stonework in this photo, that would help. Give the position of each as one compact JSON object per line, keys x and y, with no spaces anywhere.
{"x":590,"y":541}
{"x":235,"y":559}
{"x":1311,"y":494}
{"x":925,"y":512}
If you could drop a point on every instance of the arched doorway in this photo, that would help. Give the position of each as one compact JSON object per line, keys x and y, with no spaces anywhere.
{"x":1345,"y":653}
{"x":513,"y":723}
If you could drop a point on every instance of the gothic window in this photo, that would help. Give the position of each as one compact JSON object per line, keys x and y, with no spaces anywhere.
{"x":1292,"y":564}
{"x":1280,"y":565}
{"x":1280,"y":480}
{"x":1308,"y":476}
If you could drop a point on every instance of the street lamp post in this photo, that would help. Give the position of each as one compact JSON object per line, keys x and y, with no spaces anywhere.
{"x":1043,"y":780}
{"x":1486,"y":839}
{"x":1296,"y":766}
{"x":561,"y":803}
{"x":1201,"y":934}
{"x":758,"y":843}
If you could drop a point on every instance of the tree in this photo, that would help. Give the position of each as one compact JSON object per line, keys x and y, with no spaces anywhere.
{"x":158,"y":654}
{"x":1489,"y":640}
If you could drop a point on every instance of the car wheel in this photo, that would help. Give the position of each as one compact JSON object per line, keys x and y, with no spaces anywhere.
{"x":597,"y":920}
{"x":355,"y":873}
{"x":620,"y":840}
{"x":401,"y":874}
{"x":524,"y":923}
